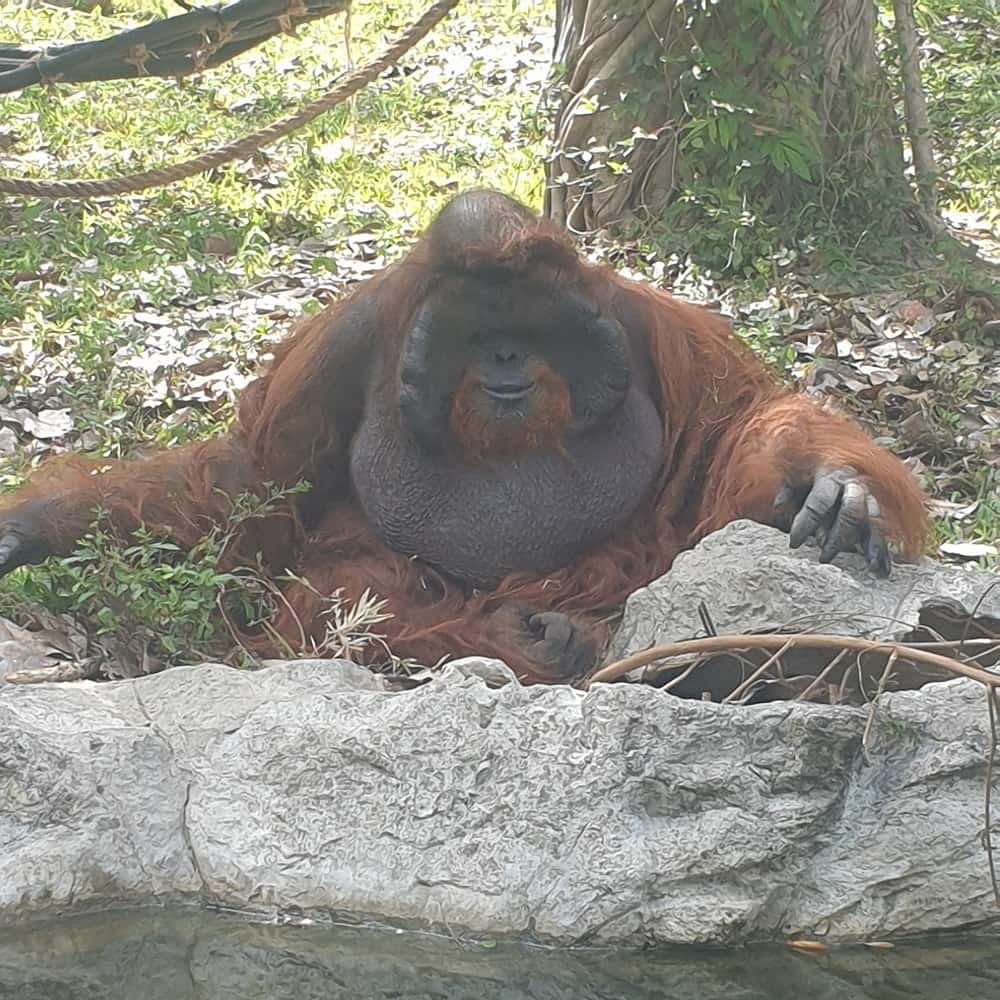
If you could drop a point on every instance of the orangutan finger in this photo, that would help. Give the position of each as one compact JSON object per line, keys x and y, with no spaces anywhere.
{"x":875,"y":548}
{"x":847,"y":529}
{"x":556,"y":628}
{"x":818,"y":510}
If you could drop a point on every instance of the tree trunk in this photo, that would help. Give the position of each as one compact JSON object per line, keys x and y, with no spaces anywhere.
{"x":750,"y":106}
{"x":918,"y":124}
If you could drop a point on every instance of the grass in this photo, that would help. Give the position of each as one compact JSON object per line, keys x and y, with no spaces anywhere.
{"x":89,"y":291}
{"x":961,"y":74}
{"x":91,"y":294}
{"x":983,"y":523}
{"x":72,"y":275}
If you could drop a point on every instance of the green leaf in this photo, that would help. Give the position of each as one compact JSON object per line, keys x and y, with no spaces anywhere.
{"x":798,"y":163}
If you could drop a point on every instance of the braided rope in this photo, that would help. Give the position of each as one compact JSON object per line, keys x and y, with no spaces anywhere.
{"x":240,"y":148}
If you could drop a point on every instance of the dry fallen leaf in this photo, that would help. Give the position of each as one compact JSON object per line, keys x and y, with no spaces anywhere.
{"x":806,"y":946}
{"x":21,"y":649}
{"x":49,"y":424}
{"x":950,"y":508}
{"x":911,"y":310}
{"x":8,"y":441}
{"x":219,"y":246}
{"x":968,"y":550}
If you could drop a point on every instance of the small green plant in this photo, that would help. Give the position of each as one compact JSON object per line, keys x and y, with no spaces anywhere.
{"x":148,"y":593}
{"x":150,"y":587}
{"x":748,"y":117}
{"x":893,"y":733}
{"x":961,"y":74}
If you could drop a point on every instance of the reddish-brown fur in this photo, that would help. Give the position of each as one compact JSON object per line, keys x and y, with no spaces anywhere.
{"x":480,"y":435}
{"x":732,"y":435}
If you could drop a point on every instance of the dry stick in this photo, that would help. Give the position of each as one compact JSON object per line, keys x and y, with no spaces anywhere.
{"x":760,"y":671}
{"x":722,"y":643}
{"x":988,"y":841}
{"x":878,"y":694}
{"x":68,"y":670}
{"x":991,"y":645}
{"x":683,"y":675}
{"x":971,"y":616}
{"x":861,"y":676}
{"x":241,"y":148}
{"x":822,"y":675}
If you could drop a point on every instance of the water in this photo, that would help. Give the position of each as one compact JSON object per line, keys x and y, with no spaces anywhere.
{"x":170,"y":955}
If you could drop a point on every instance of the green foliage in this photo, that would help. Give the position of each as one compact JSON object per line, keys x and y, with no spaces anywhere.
{"x":765,"y":339}
{"x":762,"y":162}
{"x":73,"y":274}
{"x":149,"y":587}
{"x":460,"y":112}
{"x":751,"y":115}
{"x":983,"y":486}
{"x":735,"y":86}
{"x":961,"y":74}
{"x":146,"y":591}
{"x":463,"y":110}
{"x":715,"y":227}
{"x":750,"y":147}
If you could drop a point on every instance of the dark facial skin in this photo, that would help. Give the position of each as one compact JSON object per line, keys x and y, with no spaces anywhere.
{"x":511,"y":349}
{"x":502,"y":364}
{"x":501,"y":331}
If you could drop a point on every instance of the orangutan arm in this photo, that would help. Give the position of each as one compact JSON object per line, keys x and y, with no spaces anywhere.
{"x":814,"y":472}
{"x":741,"y":446}
{"x":293,"y":426}
{"x":183,"y":493}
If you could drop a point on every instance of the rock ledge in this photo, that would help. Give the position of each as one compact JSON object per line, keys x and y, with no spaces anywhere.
{"x":621,"y":816}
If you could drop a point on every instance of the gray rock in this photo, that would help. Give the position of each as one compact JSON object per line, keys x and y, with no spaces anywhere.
{"x":751,"y":581}
{"x":621,"y":816}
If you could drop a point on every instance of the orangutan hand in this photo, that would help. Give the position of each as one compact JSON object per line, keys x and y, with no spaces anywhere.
{"x":23,"y":538}
{"x":838,"y":508}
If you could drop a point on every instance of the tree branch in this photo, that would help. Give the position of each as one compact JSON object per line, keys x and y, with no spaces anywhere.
{"x":174,"y":46}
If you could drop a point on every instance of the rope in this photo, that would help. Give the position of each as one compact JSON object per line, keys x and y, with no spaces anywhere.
{"x":240,"y":148}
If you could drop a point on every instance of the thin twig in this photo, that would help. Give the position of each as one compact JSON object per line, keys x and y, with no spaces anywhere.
{"x":991,"y":702}
{"x":822,"y":675}
{"x":275,"y":593}
{"x":671,"y":684}
{"x":739,"y":689}
{"x":706,"y":619}
{"x":971,"y":616}
{"x":874,"y":703}
{"x":959,"y":644}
